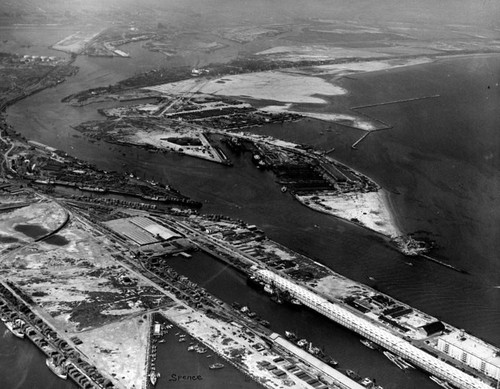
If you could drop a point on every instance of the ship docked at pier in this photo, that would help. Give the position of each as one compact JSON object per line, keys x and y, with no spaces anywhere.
{"x":15,"y":329}
{"x":407,"y":337}
{"x":57,"y":367}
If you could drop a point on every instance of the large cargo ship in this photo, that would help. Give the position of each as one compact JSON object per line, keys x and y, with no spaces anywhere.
{"x":57,"y":368}
{"x":14,"y":329}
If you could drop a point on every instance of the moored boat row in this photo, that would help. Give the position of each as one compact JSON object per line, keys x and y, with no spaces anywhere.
{"x":441,"y":383}
{"x":398,"y":361}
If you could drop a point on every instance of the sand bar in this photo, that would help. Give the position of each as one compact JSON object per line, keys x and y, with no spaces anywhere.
{"x":368,"y":209}
{"x":271,"y":85}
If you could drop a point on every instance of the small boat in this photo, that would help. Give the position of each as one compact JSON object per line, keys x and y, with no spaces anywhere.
{"x":290,"y":335}
{"x":268,"y":289}
{"x":283,"y":189}
{"x":216,"y":366}
{"x":201,"y":350}
{"x":57,"y":369}
{"x":153,"y":378}
{"x":399,"y":362}
{"x":366,"y":382}
{"x":244,"y":309}
{"x":265,"y":323}
{"x":182,"y":340}
{"x":192,"y":348}
{"x":353,"y":375}
{"x":15,"y":330}
{"x":302,"y":343}
{"x":162,"y":341}
{"x":368,"y":343}
{"x":332,"y":362}
{"x":440,"y":382}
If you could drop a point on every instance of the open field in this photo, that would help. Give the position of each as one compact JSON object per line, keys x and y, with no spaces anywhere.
{"x":119,"y":347}
{"x":76,"y":278}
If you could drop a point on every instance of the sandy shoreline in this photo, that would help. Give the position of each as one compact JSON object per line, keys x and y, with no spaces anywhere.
{"x":369,"y":209}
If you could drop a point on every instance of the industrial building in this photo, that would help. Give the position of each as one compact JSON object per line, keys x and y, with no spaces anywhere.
{"x":373,"y":331}
{"x":471,"y":351}
{"x":141,"y":230}
{"x":334,"y":376}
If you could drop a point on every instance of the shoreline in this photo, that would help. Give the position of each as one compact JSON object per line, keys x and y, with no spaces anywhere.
{"x":385,"y":232}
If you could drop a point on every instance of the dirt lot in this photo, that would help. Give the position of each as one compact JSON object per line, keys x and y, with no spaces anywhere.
{"x":75,"y":278}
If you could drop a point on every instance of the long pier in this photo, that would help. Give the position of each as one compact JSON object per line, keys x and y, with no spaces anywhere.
{"x":359,"y":140}
{"x":396,"y":102}
{"x":368,"y":329}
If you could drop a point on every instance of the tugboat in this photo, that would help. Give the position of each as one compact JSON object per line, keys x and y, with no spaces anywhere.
{"x":368,"y":343}
{"x":253,"y":281}
{"x":332,"y":362}
{"x":216,"y":366}
{"x":265,"y":323}
{"x":353,"y":375}
{"x":302,"y":343}
{"x":290,"y":335}
{"x":268,"y":289}
{"x":399,"y":362}
{"x":57,"y":369}
{"x":441,"y":383}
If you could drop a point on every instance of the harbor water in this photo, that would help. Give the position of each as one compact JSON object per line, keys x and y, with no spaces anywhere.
{"x":440,"y":162}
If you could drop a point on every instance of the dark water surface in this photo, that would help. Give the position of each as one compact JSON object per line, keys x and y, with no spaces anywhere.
{"x":31,"y":230}
{"x":441,"y":157}
{"x":183,"y":369}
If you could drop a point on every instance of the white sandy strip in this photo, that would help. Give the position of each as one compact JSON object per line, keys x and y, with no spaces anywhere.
{"x":368,"y":66}
{"x":370,"y":209}
{"x":316,"y":52}
{"x":154,"y":138}
{"x":271,"y":85}
{"x":327,"y":117}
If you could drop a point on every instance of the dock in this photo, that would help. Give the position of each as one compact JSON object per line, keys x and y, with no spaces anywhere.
{"x":353,"y":146}
{"x":346,"y":317}
{"x":396,"y":101}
